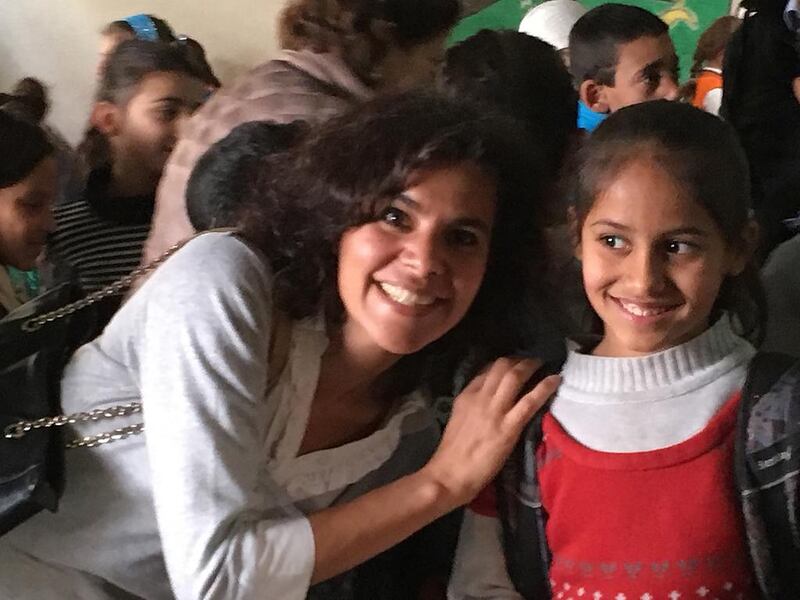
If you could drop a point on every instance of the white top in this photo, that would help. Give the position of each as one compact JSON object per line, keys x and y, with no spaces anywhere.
{"x":616,"y":405}
{"x":214,"y":494}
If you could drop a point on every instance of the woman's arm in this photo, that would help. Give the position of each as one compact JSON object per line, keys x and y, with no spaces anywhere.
{"x":484,"y":426}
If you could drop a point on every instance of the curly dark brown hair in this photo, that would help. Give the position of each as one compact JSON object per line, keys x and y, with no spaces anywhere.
{"x":361,"y":31}
{"x":351,"y":167}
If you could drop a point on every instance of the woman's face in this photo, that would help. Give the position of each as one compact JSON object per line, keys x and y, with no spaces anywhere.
{"x":26,"y":216}
{"x":410,"y":276}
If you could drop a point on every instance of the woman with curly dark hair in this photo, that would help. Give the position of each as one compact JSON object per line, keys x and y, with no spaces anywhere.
{"x":392,"y":240}
{"x":336,"y":53}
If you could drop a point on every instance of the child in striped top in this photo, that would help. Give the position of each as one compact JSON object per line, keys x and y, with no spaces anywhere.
{"x":147,"y":91}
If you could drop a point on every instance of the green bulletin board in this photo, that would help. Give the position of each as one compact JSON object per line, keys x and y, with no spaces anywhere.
{"x":687,"y":19}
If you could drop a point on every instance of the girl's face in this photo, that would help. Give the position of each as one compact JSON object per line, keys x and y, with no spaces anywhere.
{"x":26,"y":216}
{"x":145,"y":129}
{"x":653,"y":262}
{"x":409,"y":277}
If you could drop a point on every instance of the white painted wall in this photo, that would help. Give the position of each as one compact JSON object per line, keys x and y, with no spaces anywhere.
{"x":56,"y":41}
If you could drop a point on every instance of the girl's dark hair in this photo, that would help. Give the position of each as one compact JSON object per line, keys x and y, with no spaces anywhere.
{"x":132,"y":61}
{"x":712,"y":41}
{"x":27,"y":101}
{"x":703,"y":156}
{"x":126,"y":67}
{"x":23,"y":145}
{"x":351,"y":28}
{"x":347,"y":172}
{"x":163,"y":29}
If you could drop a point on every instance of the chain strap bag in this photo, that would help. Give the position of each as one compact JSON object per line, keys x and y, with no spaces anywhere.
{"x":36,"y":341}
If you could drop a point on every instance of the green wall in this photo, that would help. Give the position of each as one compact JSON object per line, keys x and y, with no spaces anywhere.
{"x":687,"y":19}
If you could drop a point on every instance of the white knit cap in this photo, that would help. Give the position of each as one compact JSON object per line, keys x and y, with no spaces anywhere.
{"x":552,"y":21}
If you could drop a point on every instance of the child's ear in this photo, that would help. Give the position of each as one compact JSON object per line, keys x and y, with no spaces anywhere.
{"x":574,"y":231}
{"x":105,"y":117}
{"x":593,"y":95}
{"x":742,"y":255}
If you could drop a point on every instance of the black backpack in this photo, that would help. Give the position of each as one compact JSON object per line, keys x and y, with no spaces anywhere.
{"x":767,"y":470}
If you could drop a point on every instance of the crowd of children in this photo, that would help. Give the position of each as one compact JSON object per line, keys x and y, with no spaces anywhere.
{"x":540,"y":228}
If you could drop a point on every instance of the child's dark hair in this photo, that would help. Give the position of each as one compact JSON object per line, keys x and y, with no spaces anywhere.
{"x":226,"y":176}
{"x":703,"y":156}
{"x":162,"y":30}
{"x":348,"y":171}
{"x":195,"y":55}
{"x":23,"y":145}
{"x":126,"y":67}
{"x":350,"y":28}
{"x":712,"y":41}
{"x":27,"y":101}
{"x":596,"y":36}
{"x":131,"y":62}
{"x":520,"y":76}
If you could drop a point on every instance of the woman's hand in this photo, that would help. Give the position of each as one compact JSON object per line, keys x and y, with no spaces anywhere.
{"x":485,"y":423}
{"x":484,"y":426}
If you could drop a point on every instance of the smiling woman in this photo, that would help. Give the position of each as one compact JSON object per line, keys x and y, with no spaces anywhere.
{"x":387,"y":241}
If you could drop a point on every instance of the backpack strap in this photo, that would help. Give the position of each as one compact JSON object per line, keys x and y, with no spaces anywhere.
{"x":766,"y":466}
{"x":520,"y":509}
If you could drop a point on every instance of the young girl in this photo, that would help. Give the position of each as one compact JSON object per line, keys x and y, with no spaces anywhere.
{"x":28,"y":187}
{"x":635,"y":466}
{"x":704,"y":89}
{"x":147,"y":92}
{"x":394,"y":237}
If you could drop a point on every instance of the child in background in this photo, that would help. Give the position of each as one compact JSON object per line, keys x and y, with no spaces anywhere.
{"x":148,"y":90}
{"x":704,"y":89}
{"x":27,"y":192}
{"x":636,"y":464}
{"x":225,"y":177}
{"x":620,"y":55}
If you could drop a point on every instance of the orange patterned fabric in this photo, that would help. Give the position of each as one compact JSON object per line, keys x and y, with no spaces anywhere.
{"x":706,"y":81}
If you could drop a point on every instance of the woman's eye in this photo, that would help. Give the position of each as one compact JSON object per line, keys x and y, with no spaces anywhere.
{"x":395,"y":217}
{"x":613,"y":241}
{"x":463,"y":237}
{"x":678,"y":247}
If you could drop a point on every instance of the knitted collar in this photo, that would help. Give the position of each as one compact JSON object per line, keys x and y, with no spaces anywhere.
{"x":686,"y":365}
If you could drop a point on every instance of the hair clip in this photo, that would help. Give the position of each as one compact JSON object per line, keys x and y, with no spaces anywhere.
{"x":143,"y":27}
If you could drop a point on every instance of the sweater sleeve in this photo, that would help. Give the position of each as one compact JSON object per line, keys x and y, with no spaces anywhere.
{"x":202,"y":354}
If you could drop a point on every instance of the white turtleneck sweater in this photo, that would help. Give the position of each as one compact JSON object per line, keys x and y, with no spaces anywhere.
{"x":624,"y":404}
